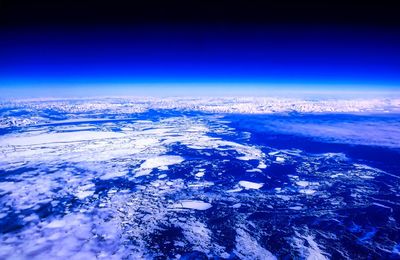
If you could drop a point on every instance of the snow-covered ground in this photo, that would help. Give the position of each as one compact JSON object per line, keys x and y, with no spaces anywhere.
{"x":113,"y":179}
{"x":244,"y":105}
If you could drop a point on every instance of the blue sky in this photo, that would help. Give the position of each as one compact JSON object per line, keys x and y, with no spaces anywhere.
{"x":276,"y":57}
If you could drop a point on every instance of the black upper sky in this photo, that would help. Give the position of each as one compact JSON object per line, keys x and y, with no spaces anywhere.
{"x":17,"y":13}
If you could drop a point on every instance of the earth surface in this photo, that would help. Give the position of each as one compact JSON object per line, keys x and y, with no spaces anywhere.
{"x":86,"y":183}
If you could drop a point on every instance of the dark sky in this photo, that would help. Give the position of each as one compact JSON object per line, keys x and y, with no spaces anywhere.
{"x":117,"y":12}
{"x":293,"y":42}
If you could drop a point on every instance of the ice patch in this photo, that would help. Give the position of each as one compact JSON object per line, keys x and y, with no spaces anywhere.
{"x":302,"y":183}
{"x":254,"y":170}
{"x":307,"y":191}
{"x":234,"y":190}
{"x":250,"y":185}
{"x":201,"y":184}
{"x":261,"y":165}
{"x":237,"y":205}
{"x":199,"y":174}
{"x":161,"y":161}
{"x":193,"y":204}
{"x":336,"y":175}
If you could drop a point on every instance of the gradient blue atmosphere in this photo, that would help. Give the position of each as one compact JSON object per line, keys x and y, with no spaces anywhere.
{"x":161,"y":58}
